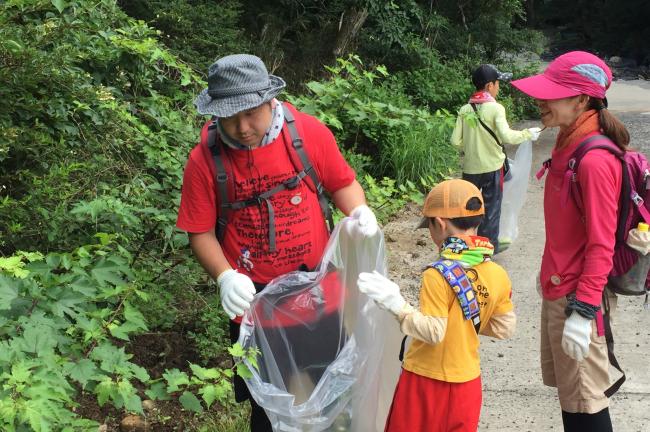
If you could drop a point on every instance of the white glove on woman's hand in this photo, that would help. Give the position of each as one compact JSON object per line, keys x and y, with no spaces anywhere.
{"x":236,"y":291}
{"x":382,"y":290}
{"x":576,"y":336}
{"x":366,"y":221}
{"x":534,"y":132}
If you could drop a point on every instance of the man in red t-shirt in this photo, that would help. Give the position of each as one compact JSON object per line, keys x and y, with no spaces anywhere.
{"x":268,"y":235}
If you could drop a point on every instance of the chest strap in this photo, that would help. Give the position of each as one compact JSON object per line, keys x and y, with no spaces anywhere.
{"x":223,"y":183}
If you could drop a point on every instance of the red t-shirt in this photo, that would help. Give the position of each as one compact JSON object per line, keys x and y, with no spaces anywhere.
{"x":300,"y":231}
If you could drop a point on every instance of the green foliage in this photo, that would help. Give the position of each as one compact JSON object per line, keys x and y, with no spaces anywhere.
{"x":199,"y":31}
{"x":482,"y":30}
{"x":93,"y":138}
{"x":386,"y":197}
{"x":210,"y":334}
{"x":211,"y":384}
{"x":56,"y":319}
{"x":439,"y":85}
{"x":376,"y":118}
{"x":518,"y":105}
{"x":98,"y":106}
{"x":397,"y":33}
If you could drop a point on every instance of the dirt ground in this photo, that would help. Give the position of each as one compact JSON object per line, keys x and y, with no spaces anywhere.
{"x":514,"y":397}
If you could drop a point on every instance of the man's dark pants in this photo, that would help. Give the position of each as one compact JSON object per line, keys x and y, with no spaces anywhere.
{"x":491,"y":186}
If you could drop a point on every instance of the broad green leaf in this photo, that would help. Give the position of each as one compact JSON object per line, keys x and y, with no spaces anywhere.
{"x":108,"y":271}
{"x":210,"y":393}
{"x":122,"y":331}
{"x":158,"y":391}
{"x":8,"y":292}
{"x":14,"y":266}
{"x":8,"y":411}
{"x":134,"y":404}
{"x":243,"y":371}
{"x":236,"y":350}
{"x":203,"y":373}
{"x":59,"y":5}
{"x":129,"y":396}
{"x":20,"y":371}
{"x":83,"y":371}
{"x":103,"y":390}
{"x":83,"y":285}
{"x":110,"y":357}
{"x":191,"y":402}
{"x":140,"y":373}
{"x":69,"y":302}
{"x":175,"y":379}
{"x":133,"y":316}
{"x":38,"y":339}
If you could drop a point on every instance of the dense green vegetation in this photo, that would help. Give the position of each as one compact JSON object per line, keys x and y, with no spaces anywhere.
{"x":95,"y":127}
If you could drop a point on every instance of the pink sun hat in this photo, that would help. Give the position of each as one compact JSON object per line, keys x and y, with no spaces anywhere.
{"x":571,"y":74}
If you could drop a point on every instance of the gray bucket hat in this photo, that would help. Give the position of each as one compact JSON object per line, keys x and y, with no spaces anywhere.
{"x":236,"y":83}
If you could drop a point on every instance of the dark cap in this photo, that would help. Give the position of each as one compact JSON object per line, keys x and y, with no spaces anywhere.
{"x":488,"y":73}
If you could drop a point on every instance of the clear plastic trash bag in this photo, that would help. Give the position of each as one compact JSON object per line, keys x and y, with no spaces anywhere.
{"x":514,"y":193}
{"x":328,"y":354}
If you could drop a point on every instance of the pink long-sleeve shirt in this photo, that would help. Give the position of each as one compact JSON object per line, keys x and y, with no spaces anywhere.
{"x":580,"y":244}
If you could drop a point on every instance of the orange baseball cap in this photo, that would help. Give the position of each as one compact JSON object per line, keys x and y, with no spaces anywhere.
{"x":448,"y":199}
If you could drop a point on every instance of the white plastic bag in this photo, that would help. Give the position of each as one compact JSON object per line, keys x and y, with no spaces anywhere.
{"x":328,"y":355}
{"x":514,"y":193}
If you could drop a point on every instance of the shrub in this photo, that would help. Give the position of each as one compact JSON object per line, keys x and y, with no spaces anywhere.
{"x":375,"y":117}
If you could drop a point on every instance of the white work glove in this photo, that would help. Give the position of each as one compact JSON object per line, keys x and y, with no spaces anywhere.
{"x":366,"y":222}
{"x":236,"y":291}
{"x":382,"y":290}
{"x":534,"y":132}
{"x":576,"y":336}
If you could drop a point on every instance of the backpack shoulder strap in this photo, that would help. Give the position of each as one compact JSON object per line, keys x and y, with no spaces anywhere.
{"x":609,"y":338}
{"x":457,"y":279}
{"x":604,"y":143}
{"x":221,"y":177}
{"x":596,"y":142}
{"x":303,"y":159}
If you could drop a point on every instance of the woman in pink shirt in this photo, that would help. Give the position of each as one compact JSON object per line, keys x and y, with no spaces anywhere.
{"x":579,"y":240}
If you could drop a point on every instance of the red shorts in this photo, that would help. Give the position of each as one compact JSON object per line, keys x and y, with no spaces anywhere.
{"x":425,"y":404}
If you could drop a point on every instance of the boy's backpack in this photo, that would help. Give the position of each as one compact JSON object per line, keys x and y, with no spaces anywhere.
{"x":634,"y":206}
{"x":224,"y":180}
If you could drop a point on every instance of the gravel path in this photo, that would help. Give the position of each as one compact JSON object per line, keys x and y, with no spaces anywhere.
{"x":514,"y":397}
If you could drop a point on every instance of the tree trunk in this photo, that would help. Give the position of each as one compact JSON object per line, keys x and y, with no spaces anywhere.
{"x":530,"y":13}
{"x":351,"y":22}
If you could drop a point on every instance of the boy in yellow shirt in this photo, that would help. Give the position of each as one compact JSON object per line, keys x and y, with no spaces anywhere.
{"x":464,"y":294}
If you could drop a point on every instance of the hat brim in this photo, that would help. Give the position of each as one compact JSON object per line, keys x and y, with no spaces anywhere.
{"x":231,"y":105}
{"x":540,"y":87}
{"x":424,"y":223}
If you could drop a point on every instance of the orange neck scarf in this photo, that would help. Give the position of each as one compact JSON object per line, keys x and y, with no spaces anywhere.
{"x":586,"y":123}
